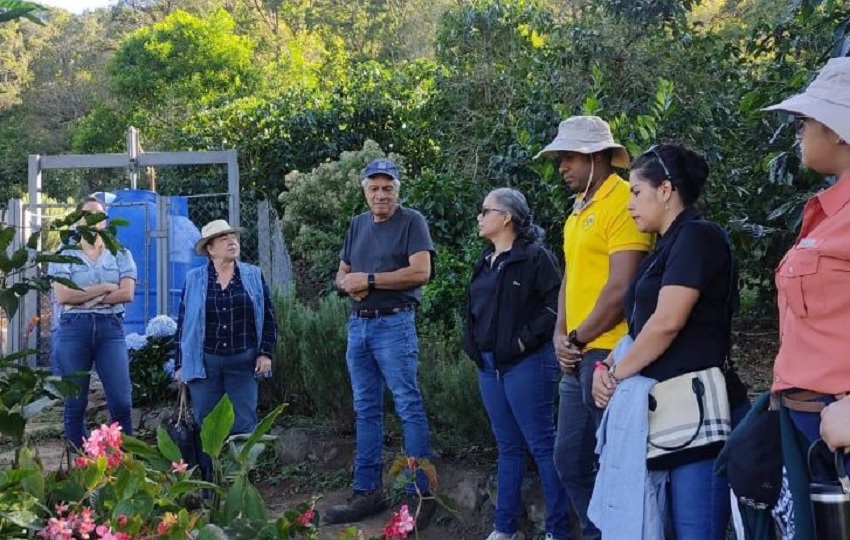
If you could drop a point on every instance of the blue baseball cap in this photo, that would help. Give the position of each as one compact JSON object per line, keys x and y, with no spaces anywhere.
{"x":381,"y":166}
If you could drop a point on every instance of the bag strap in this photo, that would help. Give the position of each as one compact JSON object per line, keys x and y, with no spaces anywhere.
{"x":728,"y":364}
{"x":182,"y":404}
{"x":699,"y":391}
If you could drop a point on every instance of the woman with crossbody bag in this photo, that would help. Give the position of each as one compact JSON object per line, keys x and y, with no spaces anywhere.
{"x":679,"y":317}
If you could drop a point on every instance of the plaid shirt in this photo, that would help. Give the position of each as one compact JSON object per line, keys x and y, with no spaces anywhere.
{"x":231,"y":326}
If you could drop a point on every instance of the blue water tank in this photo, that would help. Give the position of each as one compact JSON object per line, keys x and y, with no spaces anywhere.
{"x":138,"y":207}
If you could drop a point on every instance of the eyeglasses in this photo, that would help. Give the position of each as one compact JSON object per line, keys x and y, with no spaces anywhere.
{"x":800,"y":122}
{"x":654,"y":151}
{"x":484,"y":211}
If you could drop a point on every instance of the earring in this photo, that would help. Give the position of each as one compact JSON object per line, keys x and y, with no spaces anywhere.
{"x":840,"y":141}
{"x":666,"y":206}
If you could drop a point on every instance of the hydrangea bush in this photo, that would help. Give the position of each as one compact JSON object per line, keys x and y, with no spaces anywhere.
{"x":151,"y":361}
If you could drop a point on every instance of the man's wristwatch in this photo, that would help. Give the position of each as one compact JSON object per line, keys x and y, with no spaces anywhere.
{"x":370,"y":279}
{"x":572,"y":337}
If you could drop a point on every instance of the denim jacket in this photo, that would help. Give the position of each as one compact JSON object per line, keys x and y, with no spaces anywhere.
{"x":637,"y":512}
{"x":194,"y":323}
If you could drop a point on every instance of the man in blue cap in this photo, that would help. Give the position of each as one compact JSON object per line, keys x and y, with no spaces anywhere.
{"x":383,"y":264}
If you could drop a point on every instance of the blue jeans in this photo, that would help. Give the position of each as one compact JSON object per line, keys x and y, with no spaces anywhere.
{"x":699,"y":500}
{"x":83,"y":341}
{"x":232,"y":375}
{"x":575,"y":444}
{"x":520,"y":403}
{"x":383,"y":352}
{"x":808,"y":425}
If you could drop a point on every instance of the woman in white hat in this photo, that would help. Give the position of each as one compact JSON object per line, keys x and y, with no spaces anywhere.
{"x":226,"y":329}
{"x":813,"y":279}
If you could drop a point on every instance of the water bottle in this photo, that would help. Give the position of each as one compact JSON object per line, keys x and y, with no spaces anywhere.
{"x":831,"y":500}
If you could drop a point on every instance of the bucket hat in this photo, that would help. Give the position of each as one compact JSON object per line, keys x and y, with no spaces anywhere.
{"x":381,"y":166}
{"x":827,"y":98}
{"x":213,"y":230}
{"x":586,"y":135}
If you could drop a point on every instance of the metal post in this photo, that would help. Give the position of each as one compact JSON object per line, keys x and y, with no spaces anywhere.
{"x":161,"y":235}
{"x":133,"y":156}
{"x":233,"y":187}
{"x":34,"y":171}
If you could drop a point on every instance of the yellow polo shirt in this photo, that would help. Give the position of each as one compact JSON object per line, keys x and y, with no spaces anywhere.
{"x":601,"y":228}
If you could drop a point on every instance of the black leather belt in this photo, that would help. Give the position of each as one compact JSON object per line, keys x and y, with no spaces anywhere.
{"x":374,"y":313}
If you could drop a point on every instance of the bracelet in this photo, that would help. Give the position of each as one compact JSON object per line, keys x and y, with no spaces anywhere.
{"x":611,"y":374}
{"x":600,"y":366}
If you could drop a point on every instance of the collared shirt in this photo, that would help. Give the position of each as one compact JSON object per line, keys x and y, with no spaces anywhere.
{"x":813,"y":286}
{"x":230,"y":322}
{"x":108,"y":268}
{"x":591,"y":235}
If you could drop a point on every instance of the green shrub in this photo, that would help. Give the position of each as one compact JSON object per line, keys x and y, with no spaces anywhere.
{"x":448,"y":379}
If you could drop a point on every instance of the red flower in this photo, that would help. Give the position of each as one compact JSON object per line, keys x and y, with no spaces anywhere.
{"x":306,"y":519}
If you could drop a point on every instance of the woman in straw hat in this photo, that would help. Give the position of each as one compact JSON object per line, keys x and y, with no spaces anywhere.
{"x":813,"y":280}
{"x":226,"y":329}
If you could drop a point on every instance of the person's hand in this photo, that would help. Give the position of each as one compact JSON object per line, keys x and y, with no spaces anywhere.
{"x":178,"y":375}
{"x":603,"y":387}
{"x":355,"y":283}
{"x":263,"y":366}
{"x":568,"y":355}
{"x":835,"y":424}
{"x":94,"y":301}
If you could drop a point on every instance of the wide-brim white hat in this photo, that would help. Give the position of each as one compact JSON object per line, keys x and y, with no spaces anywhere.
{"x":827,"y":98}
{"x":586,"y":135}
{"x":213,"y":230}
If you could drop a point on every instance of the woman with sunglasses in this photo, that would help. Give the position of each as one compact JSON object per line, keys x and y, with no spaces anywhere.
{"x":679,"y":313}
{"x":512,"y":305}
{"x":91,"y":327}
{"x":813,"y":279}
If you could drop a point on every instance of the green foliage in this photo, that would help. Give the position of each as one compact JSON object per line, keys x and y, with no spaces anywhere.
{"x":318,"y":205}
{"x":449,"y":382}
{"x":186,"y":58}
{"x":151,"y":381}
{"x":11,"y":10}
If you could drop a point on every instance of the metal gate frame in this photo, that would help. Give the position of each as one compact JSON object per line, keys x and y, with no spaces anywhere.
{"x":133,"y":161}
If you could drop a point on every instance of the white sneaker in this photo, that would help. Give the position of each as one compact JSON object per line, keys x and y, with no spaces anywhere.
{"x":499,"y":535}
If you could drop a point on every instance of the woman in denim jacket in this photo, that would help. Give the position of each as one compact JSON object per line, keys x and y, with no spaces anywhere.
{"x":91,"y":327}
{"x":511,"y":313}
{"x":226,"y":329}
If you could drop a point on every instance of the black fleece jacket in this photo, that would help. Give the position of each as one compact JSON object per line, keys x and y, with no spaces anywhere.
{"x":526,"y":304}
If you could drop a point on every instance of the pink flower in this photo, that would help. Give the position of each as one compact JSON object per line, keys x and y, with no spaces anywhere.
{"x":105,"y":441}
{"x":122,"y":520}
{"x":400,"y":524}
{"x":81,"y":461}
{"x":306,"y":519}
{"x":164,"y":526}
{"x":86,"y":524}
{"x":106,"y":533}
{"x":178,"y":467}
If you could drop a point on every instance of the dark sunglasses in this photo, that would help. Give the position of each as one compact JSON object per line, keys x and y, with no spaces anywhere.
{"x":484,"y":211}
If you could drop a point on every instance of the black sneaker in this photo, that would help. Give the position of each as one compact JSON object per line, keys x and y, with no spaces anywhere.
{"x":426,"y":508}
{"x":361,"y":504}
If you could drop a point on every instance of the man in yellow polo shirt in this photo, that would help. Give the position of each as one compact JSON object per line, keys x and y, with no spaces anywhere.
{"x":602,"y":251}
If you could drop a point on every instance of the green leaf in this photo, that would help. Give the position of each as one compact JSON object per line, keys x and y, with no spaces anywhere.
{"x":216,"y":427}
{"x":7,"y":235}
{"x":188,"y":486}
{"x":262,"y":428}
{"x":20,"y":258}
{"x":34,"y":483}
{"x":140,"y":505}
{"x":211,"y":532}
{"x":166,"y":445}
{"x":8,"y":302}
{"x":67,"y":282}
{"x":12,"y":425}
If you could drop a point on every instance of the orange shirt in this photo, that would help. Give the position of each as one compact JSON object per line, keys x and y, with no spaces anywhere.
{"x":813,"y":284}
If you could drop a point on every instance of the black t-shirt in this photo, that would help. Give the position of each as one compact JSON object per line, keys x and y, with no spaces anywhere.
{"x":693,"y":253}
{"x":385,"y":246}
{"x":482,"y":303}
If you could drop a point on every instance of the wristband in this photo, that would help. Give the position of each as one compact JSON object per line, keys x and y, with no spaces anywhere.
{"x":611,"y":374}
{"x":370,"y":279}
{"x":573,"y":338}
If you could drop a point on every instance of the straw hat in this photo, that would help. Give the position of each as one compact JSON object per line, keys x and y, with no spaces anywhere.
{"x":586,"y":135}
{"x":827,"y":99}
{"x":213,"y":230}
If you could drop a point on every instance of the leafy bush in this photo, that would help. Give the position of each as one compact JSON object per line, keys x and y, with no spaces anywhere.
{"x":151,"y":361}
{"x":449,"y":382}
